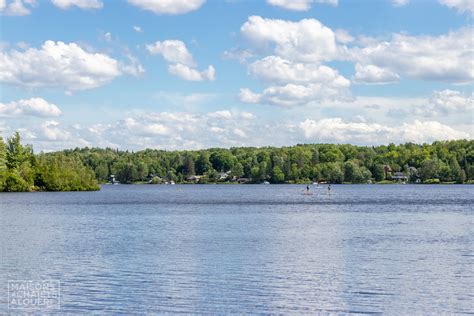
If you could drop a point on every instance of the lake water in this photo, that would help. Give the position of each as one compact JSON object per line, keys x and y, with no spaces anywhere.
{"x":396,"y":249}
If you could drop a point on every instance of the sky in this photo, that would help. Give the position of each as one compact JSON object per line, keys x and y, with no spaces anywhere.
{"x":193,"y":74}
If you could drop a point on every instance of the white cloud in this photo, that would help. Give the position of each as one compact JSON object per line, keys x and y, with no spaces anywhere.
{"x":247,"y":96}
{"x":277,"y":69}
{"x":50,"y":130}
{"x":443,"y":104}
{"x":82,"y":4}
{"x":340,"y":131}
{"x":225,"y":114}
{"x":133,"y":67}
{"x":33,"y":107}
{"x":304,"y":41}
{"x":450,"y":101}
{"x":58,"y":65}
{"x":191,"y":74}
{"x":17,"y":7}
{"x":227,"y":128}
{"x":173,"y":51}
{"x":400,"y":3}
{"x":371,"y":74}
{"x":137,"y":29}
{"x":298,"y":83}
{"x":171,"y":7}
{"x":438,"y":58}
{"x":342,"y":36}
{"x":182,"y":62}
{"x":299,"y":5}
{"x":293,"y":70}
{"x":460,"y":5}
{"x":291,"y":94}
{"x":241,"y":55}
{"x":178,"y":130}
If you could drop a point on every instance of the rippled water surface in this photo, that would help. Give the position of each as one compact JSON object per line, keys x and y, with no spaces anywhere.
{"x":399,"y":249}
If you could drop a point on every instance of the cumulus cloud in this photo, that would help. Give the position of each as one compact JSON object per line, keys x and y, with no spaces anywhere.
{"x":450,"y":101}
{"x":181,"y":62}
{"x":59,"y":65}
{"x":227,"y":128}
{"x":441,"y":104}
{"x":371,"y":74}
{"x":277,"y":69}
{"x":247,"y":96}
{"x":177,"y":130}
{"x":294,"y":71}
{"x":340,"y":131}
{"x":343,"y":36}
{"x":291,"y":94}
{"x":305,"y":41}
{"x":16,"y":7}
{"x":82,"y":4}
{"x":173,"y":51}
{"x":461,"y":6}
{"x":294,"y":54}
{"x":438,"y":58}
{"x":169,"y":7}
{"x":50,"y":130}
{"x":299,"y":5}
{"x":241,"y":55}
{"x":191,"y":74}
{"x":32,"y":107}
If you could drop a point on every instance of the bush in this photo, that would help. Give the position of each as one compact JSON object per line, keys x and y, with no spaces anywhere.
{"x":431,"y":181}
{"x":14,"y":183}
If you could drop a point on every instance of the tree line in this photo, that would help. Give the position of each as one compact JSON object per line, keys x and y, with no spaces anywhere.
{"x":82,"y":168}
{"x":22,"y":171}
{"x":443,"y":161}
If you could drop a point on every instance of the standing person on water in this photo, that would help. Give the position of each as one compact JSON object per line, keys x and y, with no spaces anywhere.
{"x":329,"y":188}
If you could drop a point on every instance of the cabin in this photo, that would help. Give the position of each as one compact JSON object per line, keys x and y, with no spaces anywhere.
{"x":400,"y":176}
{"x":243,"y":180}
{"x":194,"y":178}
{"x":223,"y":175}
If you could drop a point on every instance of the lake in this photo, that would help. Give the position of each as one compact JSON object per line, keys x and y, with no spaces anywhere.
{"x":395,"y":249}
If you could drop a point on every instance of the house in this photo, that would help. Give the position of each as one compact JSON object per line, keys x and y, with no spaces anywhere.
{"x":243,"y":180}
{"x":194,"y":178}
{"x":400,"y":176}
{"x":223,"y":175}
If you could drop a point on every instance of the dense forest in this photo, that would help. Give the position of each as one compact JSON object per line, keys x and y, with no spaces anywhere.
{"x":78,"y":169}
{"x":23,"y":171}
{"x":450,"y":161}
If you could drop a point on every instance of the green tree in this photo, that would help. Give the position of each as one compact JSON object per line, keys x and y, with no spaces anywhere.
{"x":203,"y":164}
{"x":277,"y":175}
{"x":189,"y":168}
{"x":16,"y":153}
{"x":3,"y":155}
{"x":430,"y":169}
{"x":455,"y":170}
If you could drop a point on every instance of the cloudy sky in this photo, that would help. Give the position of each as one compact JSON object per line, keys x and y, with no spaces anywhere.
{"x":189,"y":74}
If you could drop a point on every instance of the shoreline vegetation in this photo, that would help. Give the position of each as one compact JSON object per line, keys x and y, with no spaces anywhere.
{"x":82,"y":169}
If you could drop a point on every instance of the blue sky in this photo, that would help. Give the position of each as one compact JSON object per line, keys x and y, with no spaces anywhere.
{"x":189,"y":74}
